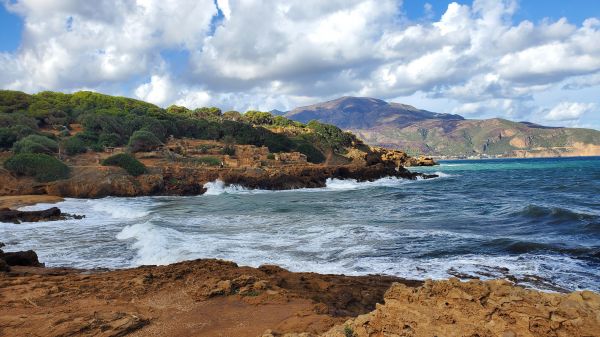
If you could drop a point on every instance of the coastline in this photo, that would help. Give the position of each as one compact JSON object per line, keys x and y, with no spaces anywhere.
{"x":452,"y":158}
{"x":218,"y":298}
{"x":18,"y":201}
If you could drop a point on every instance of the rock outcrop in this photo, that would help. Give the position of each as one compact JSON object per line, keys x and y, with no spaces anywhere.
{"x":102,"y":181}
{"x":476,"y":308}
{"x":50,"y":214}
{"x":25,"y":258}
{"x":193,"y":298}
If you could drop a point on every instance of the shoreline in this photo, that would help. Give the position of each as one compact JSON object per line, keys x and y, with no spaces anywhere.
{"x":209,"y":297}
{"x":18,"y":201}
{"x":439,"y":159}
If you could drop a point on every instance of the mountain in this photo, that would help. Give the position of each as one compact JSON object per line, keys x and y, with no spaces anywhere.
{"x":418,"y":131}
{"x":363,"y":112}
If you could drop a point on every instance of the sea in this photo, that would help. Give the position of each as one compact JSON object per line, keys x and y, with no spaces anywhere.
{"x":535,"y":222}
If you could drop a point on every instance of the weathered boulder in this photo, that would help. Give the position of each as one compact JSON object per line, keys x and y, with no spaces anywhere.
{"x":15,"y":216}
{"x":26,"y":258}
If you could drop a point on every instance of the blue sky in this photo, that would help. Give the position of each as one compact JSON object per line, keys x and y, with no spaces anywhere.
{"x":534,"y":10}
{"x":521,"y":60}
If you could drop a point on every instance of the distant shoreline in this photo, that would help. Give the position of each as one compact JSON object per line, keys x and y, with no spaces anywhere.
{"x":500,"y":158}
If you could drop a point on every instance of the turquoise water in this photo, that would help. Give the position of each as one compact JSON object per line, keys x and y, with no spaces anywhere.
{"x":533,"y":221}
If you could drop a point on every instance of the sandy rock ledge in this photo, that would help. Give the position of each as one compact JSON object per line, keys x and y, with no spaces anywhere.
{"x":476,"y":308}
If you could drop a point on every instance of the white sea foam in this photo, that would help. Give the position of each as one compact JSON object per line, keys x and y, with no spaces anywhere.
{"x":218,"y":187}
{"x":339,"y":250}
{"x":352,"y":184}
{"x":117,"y":208}
{"x":443,"y":174}
{"x":153,"y":244}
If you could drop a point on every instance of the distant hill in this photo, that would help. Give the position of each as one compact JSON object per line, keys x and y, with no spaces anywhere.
{"x":362,"y":112}
{"x":424,"y":132}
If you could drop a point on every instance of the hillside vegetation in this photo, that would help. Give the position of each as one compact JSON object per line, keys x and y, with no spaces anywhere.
{"x":423,"y":132}
{"x":42,"y":124}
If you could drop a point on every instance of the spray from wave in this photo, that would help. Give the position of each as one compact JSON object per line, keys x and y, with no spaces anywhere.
{"x":154,"y":245}
{"x":218,"y":187}
{"x":117,"y":209}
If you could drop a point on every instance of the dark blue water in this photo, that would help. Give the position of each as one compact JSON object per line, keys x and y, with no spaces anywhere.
{"x":533,"y":221}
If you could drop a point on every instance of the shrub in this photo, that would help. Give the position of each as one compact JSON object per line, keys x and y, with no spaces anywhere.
{"x":87,"y":137}
{"x":258,"y":117}
{"x":282,"y":121}
{"x":9,"y":135}
{"x":10,"y":120}
{"x":143,"y":141}
{"x":7,"y":138}
{"x":109,"y":139}
{"x":232,"y":115}
{"x":210,"y":161}
{"x":348,"y":331}
{"x":304,"y":144}
{"x":127,"y":162}
{"x":330,"y":136}
{"x":42,"y":167}
{"x":228,"y":150}
{"x":271,"y":156}
{"x":210,"y":113}
{"x":36,"y":144}
{"x":74,"y":145}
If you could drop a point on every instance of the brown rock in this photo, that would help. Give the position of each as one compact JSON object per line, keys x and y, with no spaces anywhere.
{"x":14,"y":216}
{"x":27,"y":258}
{"x":477,"y":308}
{"x":4,"y":267}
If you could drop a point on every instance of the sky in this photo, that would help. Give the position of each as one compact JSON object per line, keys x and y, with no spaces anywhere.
{"x":528,"y":60}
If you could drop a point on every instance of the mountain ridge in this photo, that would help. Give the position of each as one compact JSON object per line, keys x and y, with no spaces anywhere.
{"x":419,"y":131}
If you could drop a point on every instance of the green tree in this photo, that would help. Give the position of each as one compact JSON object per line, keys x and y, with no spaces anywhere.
{"x":258,"y":117}
{"x":143,"y":141}
{"x":36,"y":144}
{"x":74,"y":145}
{"x":127,"y":162}
{"x":210,"y":113}
{"x":179,"y":110}
{"x":42,"y":167}
{"x":232,"y":115}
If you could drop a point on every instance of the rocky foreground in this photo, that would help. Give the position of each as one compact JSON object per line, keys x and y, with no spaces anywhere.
{"x":219,"y":298}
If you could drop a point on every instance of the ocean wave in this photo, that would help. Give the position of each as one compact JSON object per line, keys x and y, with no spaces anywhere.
{"x":535,"y":211}
{"x":444,"y":175}
{"x":118,"y":209}
{"x":352,"y":184}
{"x":154,"y":245}
{"x":522,"y":247}
{"x":218,"y":187}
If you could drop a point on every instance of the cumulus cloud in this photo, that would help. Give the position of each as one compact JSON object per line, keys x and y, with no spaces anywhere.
{"x":251,"y":53}
{"x":569,"y":111}
{"x":69,"y":43}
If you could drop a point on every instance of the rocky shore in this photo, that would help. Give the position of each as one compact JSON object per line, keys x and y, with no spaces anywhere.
{"x":219,"y":298}
{"x":170,"y":178}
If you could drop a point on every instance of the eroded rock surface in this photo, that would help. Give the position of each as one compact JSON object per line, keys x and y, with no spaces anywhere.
{"x":476,"y":308}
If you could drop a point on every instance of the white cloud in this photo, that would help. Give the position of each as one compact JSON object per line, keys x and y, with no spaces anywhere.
{"x":568,"y":111}
{"x":69,"y":43}
{"x":301,"y":51}
{"x":159,"y":90}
